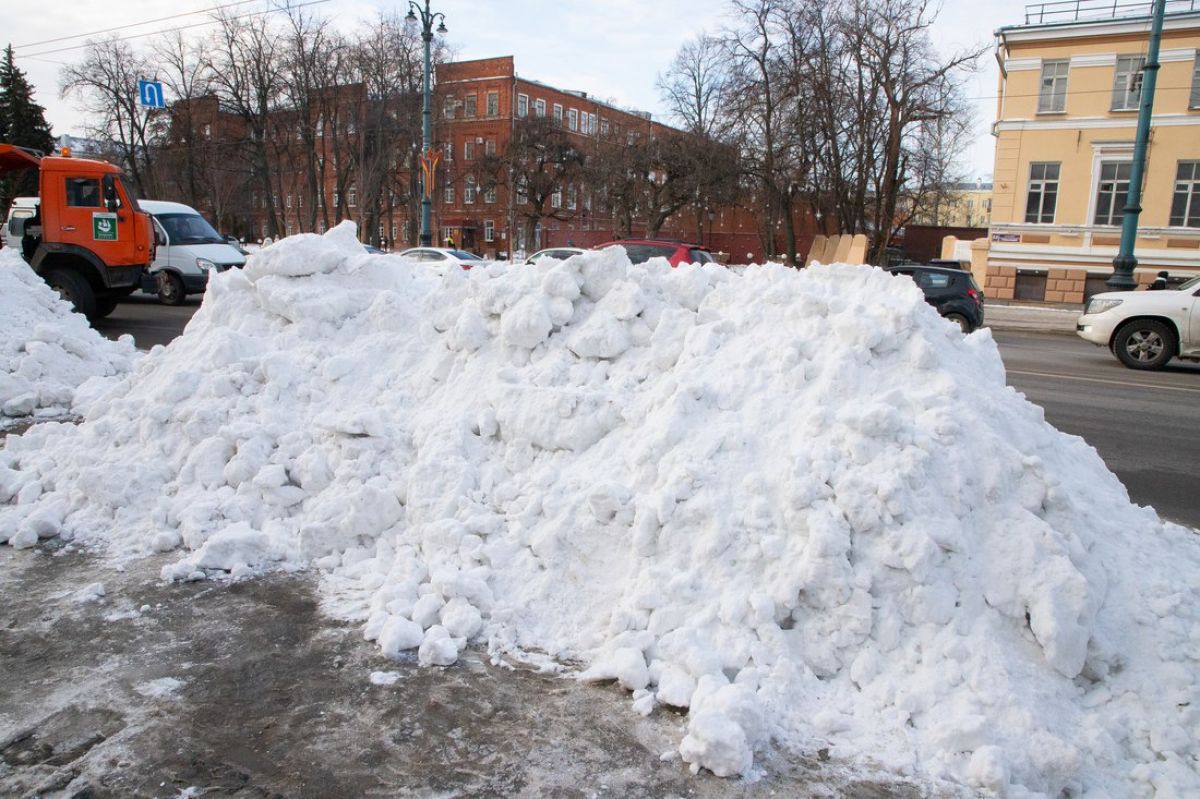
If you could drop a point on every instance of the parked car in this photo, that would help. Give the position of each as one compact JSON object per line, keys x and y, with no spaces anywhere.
{"x":444,"y":256}
{"x":1145,"y":329}
{"x":373,"y":250}
{"x":189,"y":249}
{"x":953,"y":292}
{"x":562,"y":253}
{"x":676,"y":253}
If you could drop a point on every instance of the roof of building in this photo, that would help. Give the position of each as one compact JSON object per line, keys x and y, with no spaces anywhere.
{"x":1085,"y":14}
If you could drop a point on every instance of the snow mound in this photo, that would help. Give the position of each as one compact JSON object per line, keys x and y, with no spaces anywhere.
{"x":47,"y":351}
{"x":797,"y":503}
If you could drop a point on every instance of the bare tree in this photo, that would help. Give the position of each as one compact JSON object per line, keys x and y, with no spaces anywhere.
{"x":106,"y":81}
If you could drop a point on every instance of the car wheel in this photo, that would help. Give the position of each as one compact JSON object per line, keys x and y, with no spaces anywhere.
{"x":73,"y":287}
{"x":170,"y":288}
{"x":1144,"y":344}
{"x":104,"y":306}
{"x":964,"y":324}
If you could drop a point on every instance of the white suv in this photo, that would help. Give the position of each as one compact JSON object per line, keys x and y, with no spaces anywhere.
{"x":1145,"y":329}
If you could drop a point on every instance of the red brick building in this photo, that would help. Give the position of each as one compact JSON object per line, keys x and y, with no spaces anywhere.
{"x":477,"y":106}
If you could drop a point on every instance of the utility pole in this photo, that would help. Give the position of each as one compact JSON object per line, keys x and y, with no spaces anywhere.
{"x":1125,"y":262}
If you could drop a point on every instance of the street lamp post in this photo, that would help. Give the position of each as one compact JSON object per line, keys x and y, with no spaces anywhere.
{"x":1125,"y":262}
{"x":427,"y":18}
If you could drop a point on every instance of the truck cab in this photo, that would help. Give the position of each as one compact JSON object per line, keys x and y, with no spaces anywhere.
{"x":87,"y":238}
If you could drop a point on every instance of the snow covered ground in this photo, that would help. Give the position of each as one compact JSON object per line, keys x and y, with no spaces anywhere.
{"x":46,"y":350}
{"x":799,"y":504}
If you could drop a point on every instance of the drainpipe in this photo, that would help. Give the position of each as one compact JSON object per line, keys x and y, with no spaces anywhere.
{"x":1126,"y":262}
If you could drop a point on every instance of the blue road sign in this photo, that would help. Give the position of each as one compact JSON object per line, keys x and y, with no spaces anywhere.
{"x":150,"y":94}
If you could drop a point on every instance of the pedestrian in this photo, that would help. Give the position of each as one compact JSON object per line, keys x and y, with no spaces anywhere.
{"x":450,"y":242}
{"x":1159,"y":283}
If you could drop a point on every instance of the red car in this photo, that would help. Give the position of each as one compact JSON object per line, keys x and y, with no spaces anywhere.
{"x":676,"y":253}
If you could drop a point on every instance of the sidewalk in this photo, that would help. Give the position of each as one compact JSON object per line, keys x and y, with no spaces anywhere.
{"x":1030,"y":317}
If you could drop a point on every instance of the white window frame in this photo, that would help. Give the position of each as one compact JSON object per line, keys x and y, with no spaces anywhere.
{"x":489,"y":230}
{"x":448,"y":194}
{"x":572,"y":119}
{"x":1192,"y":204}
{"x":469,"y":150}
{"x":493,"y":104}
{"x":539,"y":108}
{"x":489,"y":194}
{"x":489,"y":147}
{"x":470,"y":105}
{"x":522,"y":105}
{"x":1043,"y":181}
{"x":558,"y":114}
{"x":1194,"y":98}
{"x":1052,"y":87}
{"x":1118,"y":199}
{"x":1129,"y":71}
{"x":469,"y":190}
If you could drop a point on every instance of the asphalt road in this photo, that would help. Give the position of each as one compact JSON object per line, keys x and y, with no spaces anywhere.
{"x":1146,"y":425}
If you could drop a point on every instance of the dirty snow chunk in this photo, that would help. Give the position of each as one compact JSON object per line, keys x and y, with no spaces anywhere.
{"x":93,"y":592}
{"x":399,"y":634}
{"x":162,"y":688}
{"x":384,"y":677}
{"x":47,"y":351}
{"x":438,"y":648}
{"x":749,"y":493}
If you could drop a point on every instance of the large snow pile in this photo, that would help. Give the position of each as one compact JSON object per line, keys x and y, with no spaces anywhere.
{"x":799,"y":504}
{"x":46,"y":350}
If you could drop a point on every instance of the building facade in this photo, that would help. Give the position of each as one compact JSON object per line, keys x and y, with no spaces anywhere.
{"x":1069,"y":92}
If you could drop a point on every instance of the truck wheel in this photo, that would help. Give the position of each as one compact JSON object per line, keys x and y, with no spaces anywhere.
{"x":73,"y":287}
{"x":104,"y":306}
{"x":170,"y":288}
{"x":1144,"y":344}
{"x":963,"y":323}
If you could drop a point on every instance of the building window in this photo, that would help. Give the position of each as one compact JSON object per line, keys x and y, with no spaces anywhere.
{"x":207,"y":130}
{"x":489,"y":196}
{"x":469,"y":150}
{"x":1185,"y":205}
{"x":522,"y":105}
{"x":539,"y":108}
{"x":592,"y":126}
{"x":289,"y":201}
{"x":558,"y":111}
{"x":573,"y":119}
{"x":352,"y":198}
{"x":469,"y":106}
{"x":1053,"y":96}
{"x":603,"y":127}
{"x":1111,"y":192}
{"x":489,"y":230}
{"x":1043,"y":193}
{"x":448,"y":195}
{"x":572,"y":199}
{"x":469,"y":190}
{"x":1194,"y":102}
{"x":490,"y":147}
{"x":321,"y":227}
{"x":448,"y":108}
{"x":522,"y":191}
{"x":337,"y":198}
{"x":1127,"y":83}
{"x":493,"y":104}
{"x":556,"y":199}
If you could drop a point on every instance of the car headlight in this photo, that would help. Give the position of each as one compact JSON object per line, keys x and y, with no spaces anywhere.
{"x":1100,"y":306}
{"x":204,"y":265}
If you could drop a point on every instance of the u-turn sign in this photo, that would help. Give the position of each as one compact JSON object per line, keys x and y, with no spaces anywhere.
{"x":150,"y":94}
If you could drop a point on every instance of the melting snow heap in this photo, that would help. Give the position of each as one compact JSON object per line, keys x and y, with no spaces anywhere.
{"x":46,"y":350}
{"x":797,"y":503}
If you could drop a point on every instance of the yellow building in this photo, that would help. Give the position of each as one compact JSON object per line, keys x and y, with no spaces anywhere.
{"x":967,"y":204}
{"x":1070,"y":87}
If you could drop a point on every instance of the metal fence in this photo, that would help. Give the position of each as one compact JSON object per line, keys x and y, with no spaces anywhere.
{"x":1078,"y":10}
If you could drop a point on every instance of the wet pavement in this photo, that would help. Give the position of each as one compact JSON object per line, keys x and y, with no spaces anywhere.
{"x":249,"y":690}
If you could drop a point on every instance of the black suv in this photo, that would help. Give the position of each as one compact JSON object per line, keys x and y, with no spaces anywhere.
{"x":953,"y":292}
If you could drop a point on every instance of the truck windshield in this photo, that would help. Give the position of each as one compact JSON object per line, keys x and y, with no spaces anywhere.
{"x":188,"y":229}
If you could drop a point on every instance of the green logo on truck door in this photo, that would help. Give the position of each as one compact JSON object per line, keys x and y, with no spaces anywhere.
{"x":104,"y":227}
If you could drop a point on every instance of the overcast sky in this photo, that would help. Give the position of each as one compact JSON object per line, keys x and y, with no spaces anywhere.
{"x":612,"y":49}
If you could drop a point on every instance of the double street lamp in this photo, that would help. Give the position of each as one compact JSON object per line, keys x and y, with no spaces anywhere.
{"x":427,"y":18}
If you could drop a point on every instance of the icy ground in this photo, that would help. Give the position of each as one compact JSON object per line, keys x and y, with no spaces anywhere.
{"x":46,"y":350}
{"x":798,"y":504}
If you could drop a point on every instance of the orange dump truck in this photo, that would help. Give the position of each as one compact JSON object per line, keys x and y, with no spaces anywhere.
{"x":87,"y":238}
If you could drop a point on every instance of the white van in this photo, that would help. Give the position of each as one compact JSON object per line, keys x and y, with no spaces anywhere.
{"x":22,"y":208}
{"x":189,"y":248}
